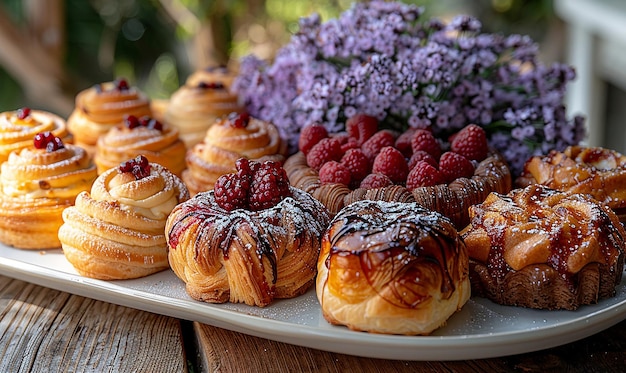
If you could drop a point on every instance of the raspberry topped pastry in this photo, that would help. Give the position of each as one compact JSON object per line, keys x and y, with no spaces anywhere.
{"x":414,"y":166}
{"x":251,"y":239}
{"x":116,"y":231}
{"x":102,"y":107}
{"x":17,"y":129}
{"x":36,"y":184}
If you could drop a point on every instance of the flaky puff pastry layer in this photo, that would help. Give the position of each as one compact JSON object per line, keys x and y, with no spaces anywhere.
{"x":117,"y":230}
{"x":200,"y":102}
{"x":121,"y":143}
{"x":224,"y":144}
{"x":391,"y":267}
{"x":17,"y":134}
{"x":102,"y":107}
{"x":243,"y":256}
{"x":35,"y":187}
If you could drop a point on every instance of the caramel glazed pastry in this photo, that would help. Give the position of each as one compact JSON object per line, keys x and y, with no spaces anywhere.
{"x":391,"y":267}
{"x":141,"y":136}
{"x":19,"y":127}
{"x":36,"y":185}
{"x":200,"y":102}
{"x":225,"y":249}
{"x":231,"y":138}
{"x":541,"y":248}
{"x":596,"y":171}
{"x":117,"y":231}
{"x":102,"y":107}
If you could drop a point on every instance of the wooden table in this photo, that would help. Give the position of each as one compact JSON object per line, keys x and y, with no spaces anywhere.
{"x":44,"y":330}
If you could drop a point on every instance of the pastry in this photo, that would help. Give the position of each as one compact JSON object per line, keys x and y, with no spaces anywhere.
{"x":19,"y":127}
{"x":202,"y":100}
{"x":116,"y":231}
{"x":36,"y":184}
{"x":141,"y":136}
{"x":252,"y":239}
{"x":596,"y":171}
{"x":541,"y":248}
{"x":391,"y":267}
{"x":229,"y":139}
{"x":102,"y":107}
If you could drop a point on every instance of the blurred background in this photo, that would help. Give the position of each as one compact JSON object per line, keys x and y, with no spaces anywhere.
{"x":52,"y":49}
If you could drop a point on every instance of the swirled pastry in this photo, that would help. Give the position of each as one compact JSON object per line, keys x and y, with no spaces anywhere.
{"x":141,"y":136}
{"x":117,"y":231}
{"x":19,"y":127}
{"x":541,"y":248}
{"x":250,"y":240}
{"x":36,"y":185}
{"x":102,"y":107}
{"x":227,"y":140}
{"x":596,"y":171}
{"x":391,"y":267}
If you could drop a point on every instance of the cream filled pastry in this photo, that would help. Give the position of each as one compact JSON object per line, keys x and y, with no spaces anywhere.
{"x":116,"y":231}
{"x":141,"y":136}
{"x":102,"y":107}
{"x":231,"y":138}
{"x":17,"y":129}
{"x":36,"y":185}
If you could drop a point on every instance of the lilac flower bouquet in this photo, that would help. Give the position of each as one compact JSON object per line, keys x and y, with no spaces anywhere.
{"x":379,"y":58}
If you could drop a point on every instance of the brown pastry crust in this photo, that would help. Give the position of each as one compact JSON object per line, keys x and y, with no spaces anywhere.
{"x":451,"y":200}
{"x":17,"y":134}
{"x":121,"y":143}
{"x":243,"y":256}
{"x":391,"y":267}
{"x":223,"y":145}
{"x":540,"y":248}
{"x":117,"y":231}
{"x":35,"y":188}
{"x":102,"y":107}
{"x":596,"y":171}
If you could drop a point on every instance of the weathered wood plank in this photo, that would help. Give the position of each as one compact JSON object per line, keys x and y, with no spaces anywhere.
{"x":43,"y":330}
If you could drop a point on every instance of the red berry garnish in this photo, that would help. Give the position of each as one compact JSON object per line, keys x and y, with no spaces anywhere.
{"x":422,"y":175}
{"x":471,"y":142}
{"x":231,"y":192}
{"x":239,"y":120}
{"x":361,"y":127}
{"x":23,"y":113}
{"x":334,"y":172}
{"x":328,"y":149}
{"x":47,"y":140}
{"x":424,"y":140}
{"x":138,"y":166}
{"x":379,"y":140}
{"x":121,"y":84}
{"x":211,"y":85}
{"x":311,"y":135}
{"x":131,"y":121}
{"x":453,"y":166}
{"x":421,"y":155}
{"x":269,"y":186}
{"x":357,"y":163}
{"x":375,"y":181}
{"x":403,"y":142}
{"x":392,"y":163}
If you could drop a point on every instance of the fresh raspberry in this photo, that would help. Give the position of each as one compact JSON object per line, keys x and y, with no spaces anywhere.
{"x":357,"y":163}
{"x":403,"y":142}
{"x":379,"y":140}
{"x":350,"y":144}
{"x":334,"y":172}
{"x":361,"y":127}
{"x":269,"y":186}
{"x":311,"y":135}
{"x":421,"y":155}
{"x":424,"y":140}
{"x":326,"y":150}
{"x":231,"y":192}
{"x":374,"y":181}
{"x":471,"y":142}
{"x":392,"y":163}
{"x":423,"y":174}
{"x":453,"y":166}
{"x":138,"y":166}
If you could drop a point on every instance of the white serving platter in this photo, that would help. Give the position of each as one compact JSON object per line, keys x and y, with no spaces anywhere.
{"x":481,"y":329}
